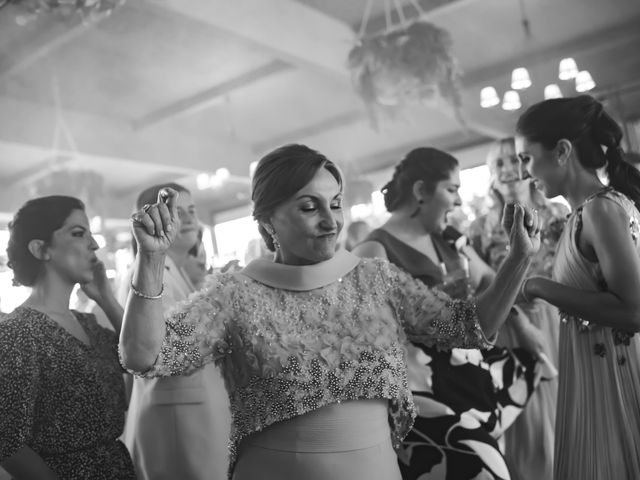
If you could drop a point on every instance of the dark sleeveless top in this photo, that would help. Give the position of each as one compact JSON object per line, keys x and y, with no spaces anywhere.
{"x":478,"y":384}
{"x":417,"y":263}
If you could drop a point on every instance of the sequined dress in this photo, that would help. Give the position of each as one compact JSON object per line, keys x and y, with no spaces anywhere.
{"x":62,"y":398}
{"x":292,"y":342}
{"x":598,"y":422}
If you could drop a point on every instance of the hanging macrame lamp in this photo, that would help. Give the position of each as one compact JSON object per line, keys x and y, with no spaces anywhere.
{"x":409,"y":62}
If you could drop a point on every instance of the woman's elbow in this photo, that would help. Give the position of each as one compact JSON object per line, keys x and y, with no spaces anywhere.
{"x":134,"y":358}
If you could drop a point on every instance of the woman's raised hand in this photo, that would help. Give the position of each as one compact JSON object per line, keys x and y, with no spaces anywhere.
{"x":523,"y":227}
{"x":155,"y":226}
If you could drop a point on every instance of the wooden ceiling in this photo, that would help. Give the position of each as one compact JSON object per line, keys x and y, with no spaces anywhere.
{"x":167,"y":89}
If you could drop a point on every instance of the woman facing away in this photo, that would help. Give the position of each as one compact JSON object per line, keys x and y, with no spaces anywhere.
{"x":62,"y":399}
{"x":466,"y":398}
{"x":529,"y":442}
{"x":311,"y":343}
{"x":596,"y":280}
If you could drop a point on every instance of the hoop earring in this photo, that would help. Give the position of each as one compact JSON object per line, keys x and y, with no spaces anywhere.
{"x":417,"y":210}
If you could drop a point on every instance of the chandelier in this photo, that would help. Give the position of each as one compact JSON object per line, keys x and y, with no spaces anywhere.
{"x":581,"y":81}
{"x":88,"y":10}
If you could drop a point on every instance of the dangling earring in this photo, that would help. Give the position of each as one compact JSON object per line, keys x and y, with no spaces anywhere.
{"x":274,"y":239}
{"x":276,"y":243}
{"x":417,"y":211}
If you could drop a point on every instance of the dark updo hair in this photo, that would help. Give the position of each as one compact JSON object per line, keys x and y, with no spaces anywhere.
{"x":425,"y":163}
{"x":279,"y":175}
{"x":36,"y":220}
{"x":583,"y":121}
{"x":150,"y":196}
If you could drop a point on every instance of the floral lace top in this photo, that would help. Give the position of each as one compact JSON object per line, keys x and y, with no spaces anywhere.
{"x":285,"y":351}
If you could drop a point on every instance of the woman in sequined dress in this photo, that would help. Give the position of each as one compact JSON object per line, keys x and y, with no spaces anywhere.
{"x":529,"y":442}
{"x":311,"y":342}
{"x":596,"y":280}
{"x":62,"y":399}
{"x":466,"y":398}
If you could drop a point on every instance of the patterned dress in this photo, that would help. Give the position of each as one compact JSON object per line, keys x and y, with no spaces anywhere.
{"x":598,"y":427}
{"x":465,"y":398}
{"x":529,"y":442}
{"x":62,"y":398}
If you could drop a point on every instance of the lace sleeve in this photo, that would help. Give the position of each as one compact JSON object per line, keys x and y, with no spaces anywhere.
{"x":196,"y":330}
{"x":430,"y":316}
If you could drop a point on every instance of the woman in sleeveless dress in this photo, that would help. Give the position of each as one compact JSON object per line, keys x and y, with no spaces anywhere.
{"x":596,"y":280}
{"x":529,"y":441}
{"x":466,"y":398}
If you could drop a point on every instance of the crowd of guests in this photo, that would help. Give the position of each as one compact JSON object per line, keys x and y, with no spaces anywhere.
{"x":417,"y":351}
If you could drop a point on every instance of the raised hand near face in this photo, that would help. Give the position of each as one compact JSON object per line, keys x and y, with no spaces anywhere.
{"x":523,"y":227}
{"x":99,"y":287}
{"x":155,"y":226}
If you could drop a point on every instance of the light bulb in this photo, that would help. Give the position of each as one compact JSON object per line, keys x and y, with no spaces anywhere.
{"x":511,"y":100}
{"x":567,"y":69}
{"x":520,"y":79}
{"x":222,"y":173}
{"x":202,"y":181}
{"x":552,"y":91}
{"x":489,"y":97}
{"x":584,"y":82}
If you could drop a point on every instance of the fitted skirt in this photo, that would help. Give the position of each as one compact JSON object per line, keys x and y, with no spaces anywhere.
{"x":346,"y":441}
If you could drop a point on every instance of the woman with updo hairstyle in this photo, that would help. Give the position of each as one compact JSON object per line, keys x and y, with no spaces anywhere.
{"x":279,"y":176}
{"x":595,"y":285}
{"x":310,"y":342}
{"x":529,"y":441}
{"x":62,"y":399}
{"x":467,"y":398}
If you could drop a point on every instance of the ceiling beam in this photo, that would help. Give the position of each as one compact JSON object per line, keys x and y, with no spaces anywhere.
{"x":209,"y":96}
{"x":388,"y":158}
{"x":40,"y":40}
{"x":285,"y":29}
{"x":298,"y":35}
{"x":167,"y":145}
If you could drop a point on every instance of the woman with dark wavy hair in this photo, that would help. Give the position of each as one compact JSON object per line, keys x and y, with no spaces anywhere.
{"x":62,"y":399}
{"x":596,"y":280}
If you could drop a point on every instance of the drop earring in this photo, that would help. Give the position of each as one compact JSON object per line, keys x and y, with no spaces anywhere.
{"x":274,"y":239}
{"x":276,"y":244}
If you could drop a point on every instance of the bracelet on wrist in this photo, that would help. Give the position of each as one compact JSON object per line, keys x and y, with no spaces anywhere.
{"x":138,"y":293}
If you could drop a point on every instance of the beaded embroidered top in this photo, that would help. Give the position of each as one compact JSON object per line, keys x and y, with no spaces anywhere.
{"x":289,"y":343}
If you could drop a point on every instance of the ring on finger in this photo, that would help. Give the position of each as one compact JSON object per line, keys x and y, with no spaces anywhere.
{"x":146,"y":207}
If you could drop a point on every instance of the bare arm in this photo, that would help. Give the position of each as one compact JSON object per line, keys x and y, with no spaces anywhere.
{"x":26,"y":464}
{"x":494,"y":304}
{"x":143,"y":325}
{"x":605,"y":236}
